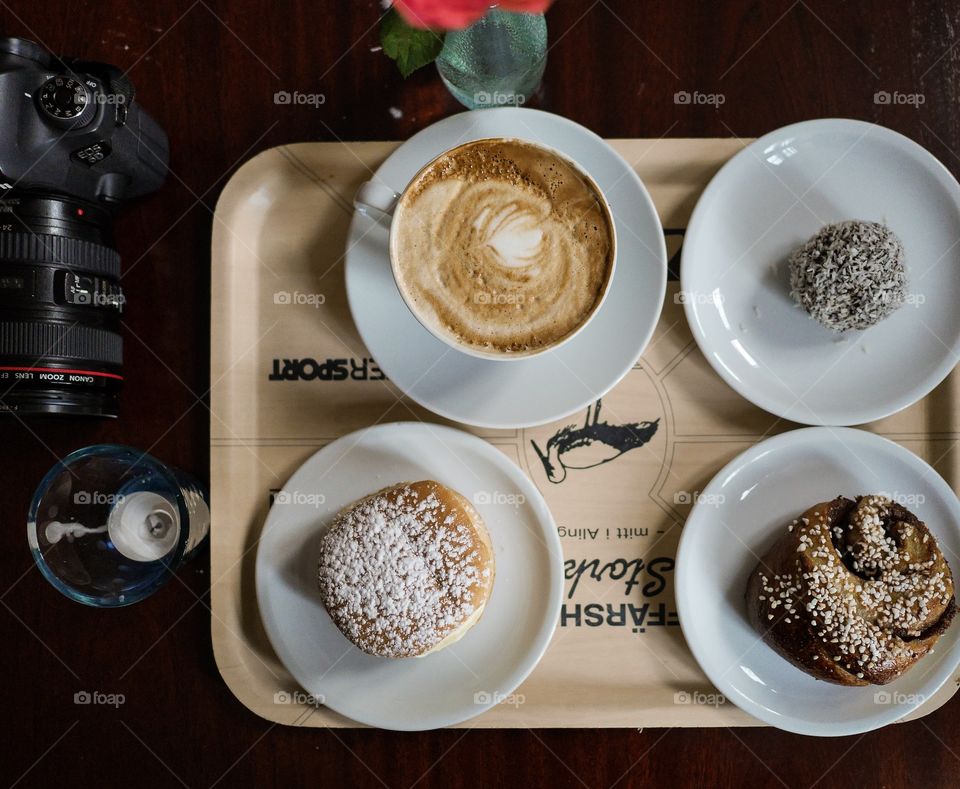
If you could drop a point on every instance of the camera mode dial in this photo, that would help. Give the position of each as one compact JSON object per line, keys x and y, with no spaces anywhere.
{"x":64,"y":98}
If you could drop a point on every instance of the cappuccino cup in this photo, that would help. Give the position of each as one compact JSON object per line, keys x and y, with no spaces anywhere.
{"x":501,"y":248}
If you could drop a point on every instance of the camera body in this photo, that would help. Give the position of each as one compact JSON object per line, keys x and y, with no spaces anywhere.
{"x":73,"y":145}
{"x":72,"y":127}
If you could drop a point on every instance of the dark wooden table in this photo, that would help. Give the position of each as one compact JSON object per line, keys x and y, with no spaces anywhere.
{"x":208,"y":69}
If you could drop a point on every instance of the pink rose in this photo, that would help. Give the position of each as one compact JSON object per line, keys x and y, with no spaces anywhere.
{"x":456,"y":14}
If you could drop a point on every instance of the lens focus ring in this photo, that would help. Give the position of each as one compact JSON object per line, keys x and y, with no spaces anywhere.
{"x":73,"y":254}
{"x":56,"y":341}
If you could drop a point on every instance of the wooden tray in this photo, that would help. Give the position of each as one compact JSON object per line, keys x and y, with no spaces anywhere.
{"x":290,"y":374}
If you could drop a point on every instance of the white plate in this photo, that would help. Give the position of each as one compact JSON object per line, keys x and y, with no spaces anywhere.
{"x":533,"y":391}
{"x":740,"y":514}
{"x":768,"y":200}
{"x":462,"y":680}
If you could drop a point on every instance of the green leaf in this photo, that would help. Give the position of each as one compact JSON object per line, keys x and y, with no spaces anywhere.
{"x":410,"y":47}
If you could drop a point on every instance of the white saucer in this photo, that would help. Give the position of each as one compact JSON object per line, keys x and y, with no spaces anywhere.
{"x":462,"y":680}
{"x":488,"y":393}
{"x":741,"y":513}
{"x":768,"y":200}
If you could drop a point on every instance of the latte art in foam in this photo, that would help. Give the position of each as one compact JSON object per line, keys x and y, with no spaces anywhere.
{"x":511,"y":233}
{"x":502,"y":246}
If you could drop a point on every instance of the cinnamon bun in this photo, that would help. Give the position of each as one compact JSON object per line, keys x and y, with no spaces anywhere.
{"x":855,"y":593}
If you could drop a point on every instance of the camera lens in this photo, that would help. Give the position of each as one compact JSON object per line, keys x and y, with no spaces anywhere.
{"x":60,"y":306}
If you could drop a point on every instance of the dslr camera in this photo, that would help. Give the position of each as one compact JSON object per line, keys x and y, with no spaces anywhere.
{"x":74,"y":145}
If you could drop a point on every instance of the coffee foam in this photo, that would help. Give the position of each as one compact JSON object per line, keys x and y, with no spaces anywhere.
{"x":503,"y":246}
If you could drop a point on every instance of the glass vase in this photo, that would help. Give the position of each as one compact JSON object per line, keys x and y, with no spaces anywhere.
{"x":496,"y":61}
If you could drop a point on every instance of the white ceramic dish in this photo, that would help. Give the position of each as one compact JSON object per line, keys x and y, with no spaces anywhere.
{"x":768,"y":200}
{"x":740,"y":514}
{"x":462,"y":680}
{"x":546,"y":387}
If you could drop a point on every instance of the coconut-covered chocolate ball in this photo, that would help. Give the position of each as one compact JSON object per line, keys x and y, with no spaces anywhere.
{"x":850,"y":275}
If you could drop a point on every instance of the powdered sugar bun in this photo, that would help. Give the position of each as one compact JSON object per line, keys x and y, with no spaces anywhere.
{"x":407,"y":570}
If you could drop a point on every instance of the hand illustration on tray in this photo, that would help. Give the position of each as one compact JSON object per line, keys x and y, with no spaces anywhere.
{"x":590,"y":444}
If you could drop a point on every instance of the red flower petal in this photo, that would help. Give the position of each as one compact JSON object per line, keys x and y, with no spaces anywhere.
{"x":457,"y":14}
{"x":441,"y":14}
